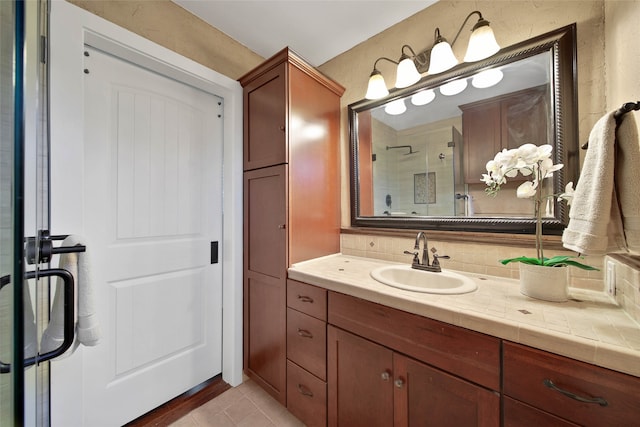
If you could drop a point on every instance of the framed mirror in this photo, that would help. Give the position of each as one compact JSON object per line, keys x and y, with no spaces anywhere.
{"x":418,"y":155}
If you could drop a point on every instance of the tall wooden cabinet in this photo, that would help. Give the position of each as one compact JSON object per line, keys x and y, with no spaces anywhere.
{"x":291,"y":198}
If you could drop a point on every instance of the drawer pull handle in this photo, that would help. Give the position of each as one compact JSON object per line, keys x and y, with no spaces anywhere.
{"x":599,"y":400}
{"x":304,"y":333}
{"x":304,"y":391}
{"x":305,"y":298}
{"x":385,"y":376}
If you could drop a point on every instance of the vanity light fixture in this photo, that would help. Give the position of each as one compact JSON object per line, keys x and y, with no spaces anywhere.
{"x":395,"y":107}
{"x":423,"y":97}
{"x":453,"y":87}
{"x":377,"y":87}
{"x":482,"y":44}
{"x":487,"y":78}
{"x":406,"y":73}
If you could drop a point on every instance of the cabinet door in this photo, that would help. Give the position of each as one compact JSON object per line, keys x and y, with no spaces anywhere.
{"x":265,"y":111}
{"x":265,"y":279}
{"x":481,"y":133}
{"x":525,"y":116}
{"x":427,"y":396}
{"x":360,"y":381}
{"x":265,"y":222}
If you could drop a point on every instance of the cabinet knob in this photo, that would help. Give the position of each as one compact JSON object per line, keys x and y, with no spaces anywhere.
{"x":282,"y":226}
{"x":281,"y":127}
{"x":385,"y":376}
{"x":399,"y":383}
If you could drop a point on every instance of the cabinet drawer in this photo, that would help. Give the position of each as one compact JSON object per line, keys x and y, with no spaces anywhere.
{"x":307,"y":299}
{"x":526,"y":371}
{"x":307,"y":342}
{"x":471,"y":355}
{"x":518,"y":414}
{"x":306,"y":396}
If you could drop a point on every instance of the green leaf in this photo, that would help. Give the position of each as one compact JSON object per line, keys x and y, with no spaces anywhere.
{"x":556,"y":261}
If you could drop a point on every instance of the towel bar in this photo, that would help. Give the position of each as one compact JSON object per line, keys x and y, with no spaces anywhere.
{"x":40,"y":249}
{"x":618,"y":115}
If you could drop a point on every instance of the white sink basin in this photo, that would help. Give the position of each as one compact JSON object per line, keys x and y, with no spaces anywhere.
{"x":405,"y":277}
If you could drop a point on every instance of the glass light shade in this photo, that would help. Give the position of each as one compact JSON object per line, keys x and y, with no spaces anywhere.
{"x":454,"y":87}
{"x":487,"y":78}
{"x":423,"y":97}
{"x":395,"y":107}
{"x":377,"y":87}
{"x":406,"y":73}
{"x":482,"y":44}
{"x":442,"y":58}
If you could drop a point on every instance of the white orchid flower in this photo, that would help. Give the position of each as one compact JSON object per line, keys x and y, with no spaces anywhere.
{"x":568,"y":193}
{"x":528,"y":153}
{"x":507,"y":159}
{"x":526,"y":189}
{"x":548,"y":168}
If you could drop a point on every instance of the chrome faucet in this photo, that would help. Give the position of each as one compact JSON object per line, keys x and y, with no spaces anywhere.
{"x":424,"y":263}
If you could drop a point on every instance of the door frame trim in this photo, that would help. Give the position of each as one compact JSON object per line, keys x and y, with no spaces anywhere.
{"x":71,"y":28}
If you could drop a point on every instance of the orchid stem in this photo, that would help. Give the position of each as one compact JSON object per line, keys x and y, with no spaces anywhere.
{"x":538,"y":212}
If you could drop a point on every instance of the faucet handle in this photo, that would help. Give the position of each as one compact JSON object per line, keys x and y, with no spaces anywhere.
{"x":436,"y":257}
{"x":416,"y":260}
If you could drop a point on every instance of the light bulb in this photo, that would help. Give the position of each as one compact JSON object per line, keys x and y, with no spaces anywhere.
{"x":395,"y":107}
{"x":482,"y":44}
{"x":423,"y":97}
{"x":454,"y":87}
{"x":406,"y":73}
{"x":377,"y":87}
{"x":442,"y":58}
{"x":487,"y":78}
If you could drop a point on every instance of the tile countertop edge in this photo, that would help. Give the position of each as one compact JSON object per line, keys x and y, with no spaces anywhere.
{"x":611,"y":356}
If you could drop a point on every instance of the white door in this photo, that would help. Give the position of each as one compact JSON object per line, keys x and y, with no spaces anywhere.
{"x":152,"y":207}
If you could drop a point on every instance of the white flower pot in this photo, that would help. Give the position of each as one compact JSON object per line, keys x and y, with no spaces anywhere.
{"x":544,"y":283}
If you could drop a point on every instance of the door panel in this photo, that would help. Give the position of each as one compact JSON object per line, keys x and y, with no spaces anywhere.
{"x":152,"y":203}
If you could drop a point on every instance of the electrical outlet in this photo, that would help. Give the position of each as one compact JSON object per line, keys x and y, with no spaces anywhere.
{"x":610,"y":279}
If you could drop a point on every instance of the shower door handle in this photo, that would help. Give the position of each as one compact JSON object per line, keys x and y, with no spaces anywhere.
{"x":5,"y":368}
{"x":69,"y":313}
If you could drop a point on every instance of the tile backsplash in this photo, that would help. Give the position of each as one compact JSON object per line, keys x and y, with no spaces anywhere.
{"x":627,"y":283}
{"x":478,"y":258}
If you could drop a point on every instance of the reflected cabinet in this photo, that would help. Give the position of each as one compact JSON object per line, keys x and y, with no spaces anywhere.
{"x":291,"y":198}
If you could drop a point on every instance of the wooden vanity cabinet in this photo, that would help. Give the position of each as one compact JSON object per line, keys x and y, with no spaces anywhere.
{"x":506,"y":121}
{"x":586,"y":395}
{"x":291,"y":198}
{"x":387,"y":367}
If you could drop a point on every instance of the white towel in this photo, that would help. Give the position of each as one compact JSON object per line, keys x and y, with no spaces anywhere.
{"x":87,"y":327}
{"x":600,"y":220}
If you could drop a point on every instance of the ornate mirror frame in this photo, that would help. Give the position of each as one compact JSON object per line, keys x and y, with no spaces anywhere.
{"x":561,"y":44}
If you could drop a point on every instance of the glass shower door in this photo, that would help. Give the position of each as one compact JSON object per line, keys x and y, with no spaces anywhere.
{"x":11,"y":143}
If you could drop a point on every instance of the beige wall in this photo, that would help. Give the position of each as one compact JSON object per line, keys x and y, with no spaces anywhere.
{"x":607,"y":75}
{"x":169,"y":25}
{"x":622,"y":52}
{"x":512,"y":22}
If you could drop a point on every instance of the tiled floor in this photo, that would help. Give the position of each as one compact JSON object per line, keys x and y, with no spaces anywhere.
{"x":246,"y":405}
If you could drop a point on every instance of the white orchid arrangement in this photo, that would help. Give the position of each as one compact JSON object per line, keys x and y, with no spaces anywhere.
{"x":535,"y":162}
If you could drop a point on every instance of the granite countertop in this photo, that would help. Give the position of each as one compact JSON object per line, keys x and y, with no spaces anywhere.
{"x":589,"y":327}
